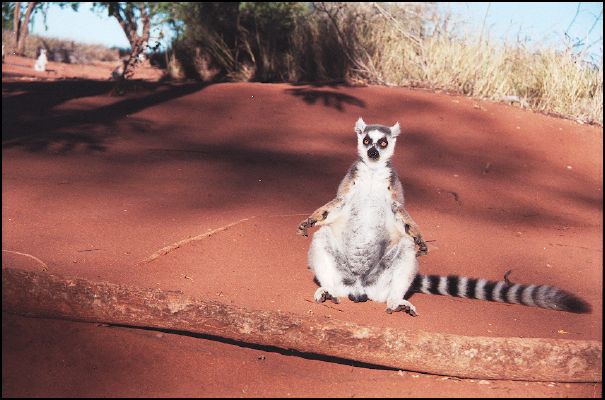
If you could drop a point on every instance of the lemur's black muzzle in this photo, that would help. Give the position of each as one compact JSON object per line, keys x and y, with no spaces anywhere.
{"x":373,"y":153}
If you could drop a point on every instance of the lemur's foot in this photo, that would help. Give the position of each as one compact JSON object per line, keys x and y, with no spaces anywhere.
{"x":358,"y":298}
{"x":403,"y":305}
{"x":304,"y":225}
{"x":322,"y":295}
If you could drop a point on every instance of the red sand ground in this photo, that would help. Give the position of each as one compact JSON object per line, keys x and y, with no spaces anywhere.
{"x":94,"y":184}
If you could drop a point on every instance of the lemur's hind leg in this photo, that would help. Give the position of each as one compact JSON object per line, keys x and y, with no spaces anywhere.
{"x":405,"y":268}
{"x":326,"y":262}
{"x":399,"y":266}
{"x":321,"y":295}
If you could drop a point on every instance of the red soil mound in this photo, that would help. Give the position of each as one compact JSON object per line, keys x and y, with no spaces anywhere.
{"x":92,"y":185}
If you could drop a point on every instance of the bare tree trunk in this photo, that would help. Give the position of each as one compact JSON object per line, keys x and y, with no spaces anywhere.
{"x":528,"y":359}
{"x":138,"y":44}
{"x":127,"y":21}
{"x":17,"y":23}
{"x":24,"y":29}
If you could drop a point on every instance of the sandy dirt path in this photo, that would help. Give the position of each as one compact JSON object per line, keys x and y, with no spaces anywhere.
{"x":93,"y":185}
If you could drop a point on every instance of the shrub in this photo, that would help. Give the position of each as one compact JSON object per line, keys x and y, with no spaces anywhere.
{"x":62,"y":50}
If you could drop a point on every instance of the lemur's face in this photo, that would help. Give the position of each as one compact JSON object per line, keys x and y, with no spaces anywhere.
{"x":376,"y":143}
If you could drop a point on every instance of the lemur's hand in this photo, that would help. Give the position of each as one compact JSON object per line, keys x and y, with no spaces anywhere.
{"x":410,"y":228}
{"x":304,"y":225}
{"x":415,"y":233}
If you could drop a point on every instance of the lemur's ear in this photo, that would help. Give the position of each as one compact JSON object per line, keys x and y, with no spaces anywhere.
{"x":395,"y":130}
{"x":360,"y":126}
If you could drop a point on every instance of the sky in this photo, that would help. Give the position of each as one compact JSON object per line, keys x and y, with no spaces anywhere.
{"x":537,"y":22}
{"x":84,"y":25}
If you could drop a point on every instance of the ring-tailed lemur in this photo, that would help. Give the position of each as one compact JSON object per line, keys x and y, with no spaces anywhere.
{"x":41,"y":62}
{"x":365,"y":248}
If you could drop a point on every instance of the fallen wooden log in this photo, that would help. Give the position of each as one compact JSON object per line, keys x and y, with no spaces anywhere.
{"x":530,"y":359}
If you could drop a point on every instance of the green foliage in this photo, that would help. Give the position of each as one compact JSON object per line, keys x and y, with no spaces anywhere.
{"x":8,"y":10}
{"x":131,"y":9}
{"x":237,"y":40}
{"x":277,"y":16}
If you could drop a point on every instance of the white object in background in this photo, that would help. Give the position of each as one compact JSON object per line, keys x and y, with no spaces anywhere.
{"x":41,"y":61}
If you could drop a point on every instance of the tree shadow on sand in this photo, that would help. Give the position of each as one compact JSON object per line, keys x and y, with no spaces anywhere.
{"x":31,"y":119}
{"x":327,"y":98}
{"x":209,"y":138}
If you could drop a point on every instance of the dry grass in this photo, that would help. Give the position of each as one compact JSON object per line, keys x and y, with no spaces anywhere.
{"x":61,"y":50}
{"x":415,"y":46}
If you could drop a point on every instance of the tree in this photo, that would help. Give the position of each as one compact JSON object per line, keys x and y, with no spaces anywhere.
{"x":131,"y":16}
{"x":21,"y":24}
{"x":23,"y":14}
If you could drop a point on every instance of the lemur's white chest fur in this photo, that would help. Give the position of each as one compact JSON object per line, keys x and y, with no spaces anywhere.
{"x":367,"y":226}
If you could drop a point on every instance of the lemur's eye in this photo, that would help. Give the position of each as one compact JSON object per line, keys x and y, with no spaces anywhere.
{"x":367,"y":141}
{"x":383,"y":143}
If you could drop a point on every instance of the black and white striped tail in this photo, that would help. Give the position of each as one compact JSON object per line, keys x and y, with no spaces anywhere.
{"x":502,"y":291}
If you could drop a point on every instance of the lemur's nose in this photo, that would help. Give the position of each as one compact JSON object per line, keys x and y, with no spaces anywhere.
{"x":373,"y":153}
